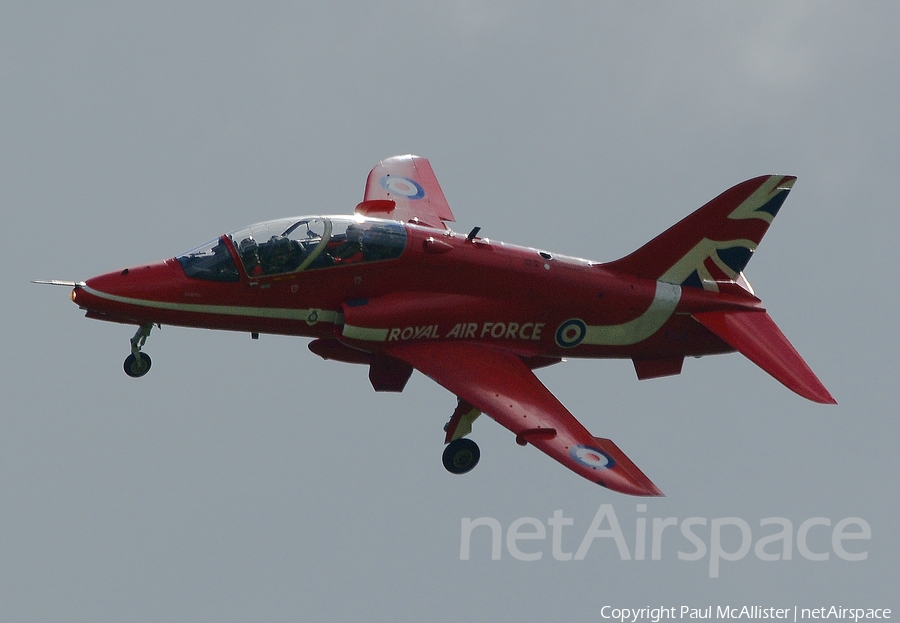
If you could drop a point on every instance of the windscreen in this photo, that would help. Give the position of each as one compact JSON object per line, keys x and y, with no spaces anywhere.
{"x":211,"y":261}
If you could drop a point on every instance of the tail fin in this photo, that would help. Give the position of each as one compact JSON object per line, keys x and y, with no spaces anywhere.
{"x":710,"y":248}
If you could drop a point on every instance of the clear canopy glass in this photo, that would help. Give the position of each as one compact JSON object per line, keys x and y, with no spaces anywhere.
{"x":294,"y":245}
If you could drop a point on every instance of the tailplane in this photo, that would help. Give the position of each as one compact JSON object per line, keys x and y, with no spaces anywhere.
{"x":757,"y":337}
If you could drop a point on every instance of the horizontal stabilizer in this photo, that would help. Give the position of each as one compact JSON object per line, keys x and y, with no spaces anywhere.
{"x":755,"y":335}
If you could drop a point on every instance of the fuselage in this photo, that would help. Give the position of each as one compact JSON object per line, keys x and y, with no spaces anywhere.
{"x":418,"y":283}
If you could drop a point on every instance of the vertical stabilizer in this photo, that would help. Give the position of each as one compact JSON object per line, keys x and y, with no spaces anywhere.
{"x":710,"y":248}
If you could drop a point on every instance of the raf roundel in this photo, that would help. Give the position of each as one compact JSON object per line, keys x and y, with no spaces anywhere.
{"x":592,"y":457}
{"x":570,"y":333}
{"x":403,"y":186}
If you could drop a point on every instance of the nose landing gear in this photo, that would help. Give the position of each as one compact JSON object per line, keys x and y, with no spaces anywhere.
{"x":137,"y":364}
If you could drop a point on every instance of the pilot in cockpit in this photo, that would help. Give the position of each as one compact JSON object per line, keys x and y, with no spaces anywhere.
{"x":249,"y":251}
{"x":282,"y":255}
{"x":350,"y":250}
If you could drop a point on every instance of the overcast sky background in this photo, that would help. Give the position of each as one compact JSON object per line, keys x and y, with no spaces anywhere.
{"x":249,"y":480}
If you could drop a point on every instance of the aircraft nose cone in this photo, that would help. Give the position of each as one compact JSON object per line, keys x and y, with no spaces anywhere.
{"x":130,"y":295}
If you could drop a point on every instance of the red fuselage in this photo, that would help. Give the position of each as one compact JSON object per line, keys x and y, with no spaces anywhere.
{"x":443,"y":286}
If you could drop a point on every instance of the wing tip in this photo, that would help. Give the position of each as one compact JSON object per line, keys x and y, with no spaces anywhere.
{"x":628,"y":486}
{"x":625,"y":476}
{"x":825,"y":399}
{"x":400,"y":158}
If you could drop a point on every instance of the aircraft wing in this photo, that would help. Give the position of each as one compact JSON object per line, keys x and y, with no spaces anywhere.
{"x":404,"y":188}
{"x":499,"y":384}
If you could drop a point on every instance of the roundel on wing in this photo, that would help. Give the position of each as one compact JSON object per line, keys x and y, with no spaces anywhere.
{"x":592,"y":457}
{"x":402,"y":186}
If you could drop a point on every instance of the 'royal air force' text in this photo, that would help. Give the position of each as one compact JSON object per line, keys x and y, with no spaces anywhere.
{"x":470,"y":330}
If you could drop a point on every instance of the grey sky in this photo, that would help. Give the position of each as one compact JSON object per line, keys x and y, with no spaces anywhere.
{"x":249,"y":480}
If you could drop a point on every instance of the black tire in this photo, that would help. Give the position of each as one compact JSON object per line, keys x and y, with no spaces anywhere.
{"x":135,"y":368}
{"x":461,"y":456}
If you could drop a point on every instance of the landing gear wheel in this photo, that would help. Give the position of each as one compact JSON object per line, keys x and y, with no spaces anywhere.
{"x":461,"y":456}
{"x":138,"y":364}
{"x":135,"y":367}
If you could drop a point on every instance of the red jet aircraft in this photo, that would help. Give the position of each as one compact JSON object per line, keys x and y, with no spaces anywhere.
{"x":393,"y":288}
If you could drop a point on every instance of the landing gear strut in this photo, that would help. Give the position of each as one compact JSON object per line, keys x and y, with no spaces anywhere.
{"x":137,"y":364}
{"x":461,"y":456}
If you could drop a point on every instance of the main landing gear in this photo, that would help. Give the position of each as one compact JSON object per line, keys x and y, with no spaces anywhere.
{"x":137,"y":364}
{"x":461,"y":455}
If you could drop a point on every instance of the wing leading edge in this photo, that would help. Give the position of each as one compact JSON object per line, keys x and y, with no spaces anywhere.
{"x":499,"y":384}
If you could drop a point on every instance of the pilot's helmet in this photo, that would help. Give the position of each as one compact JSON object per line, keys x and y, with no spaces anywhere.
{"x":248,"y":246}
{"x":380,"y":235}
{"x":281,"y":247}
{"x":355,"y":232}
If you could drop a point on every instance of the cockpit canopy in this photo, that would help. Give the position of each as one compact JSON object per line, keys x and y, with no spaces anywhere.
{"x":293,"y":245}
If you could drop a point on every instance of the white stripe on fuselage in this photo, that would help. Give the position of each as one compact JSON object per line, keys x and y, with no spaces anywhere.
{"x":665,"y":300}
{"x":661,"y":309}
{"x":310,"y":316}
{"x":364,"y":333}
